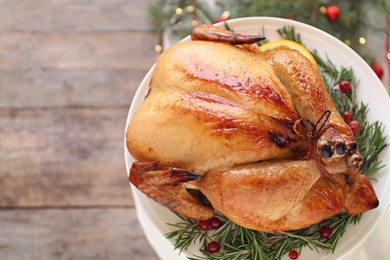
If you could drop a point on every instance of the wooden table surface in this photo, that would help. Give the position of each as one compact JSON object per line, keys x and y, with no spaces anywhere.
{"x":68,"y":72}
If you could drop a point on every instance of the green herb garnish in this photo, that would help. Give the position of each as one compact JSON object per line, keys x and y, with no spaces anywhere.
{"x":241,"y":243}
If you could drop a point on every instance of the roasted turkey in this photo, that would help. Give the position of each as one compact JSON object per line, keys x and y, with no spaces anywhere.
{"x":256,"y":134}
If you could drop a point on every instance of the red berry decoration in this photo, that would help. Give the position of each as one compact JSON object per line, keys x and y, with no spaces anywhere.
{"x":213,"y":247}
{"x":345,"y":86}
{"x":354,"y":125}
{"x":332,"y":12}
{"x":224,"y":16}
{"x":347,"y":116}
{"x":293,"y":254}
{"x":204,"y":225}
{"x":325,"y":232}
{"x":221,"y":19}
{"x":378,"y":69}
{"x":215,"y":223}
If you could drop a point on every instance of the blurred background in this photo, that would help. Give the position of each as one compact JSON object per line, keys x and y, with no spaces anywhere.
{"x":68,"y":72}
{"x":363,"y":25}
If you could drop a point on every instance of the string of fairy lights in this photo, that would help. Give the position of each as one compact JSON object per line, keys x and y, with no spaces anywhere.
{"x":199,"y":18}
{"x":185,"y":18}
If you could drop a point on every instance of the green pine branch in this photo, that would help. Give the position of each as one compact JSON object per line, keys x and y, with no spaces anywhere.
{"x":353,"y":22}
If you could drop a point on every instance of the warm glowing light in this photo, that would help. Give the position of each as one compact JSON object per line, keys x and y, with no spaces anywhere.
{"x":388,"y":55}
{"x":226,"y":14}
{"x":347,"y":42}
{"x":158,"y":48}
{"x":362,"y":40}
{"x":323,"y":10}
{"x":190,"y":8}
{"x":194,"y":23}
{"x":179,"y":10}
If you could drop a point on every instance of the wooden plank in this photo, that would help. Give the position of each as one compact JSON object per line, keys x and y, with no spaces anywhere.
{"x":74,"y":15}
{"x":63,"y":157}
{"x":106,"y":233}
{"x":77,"y":50}
{"x":54,"y":88}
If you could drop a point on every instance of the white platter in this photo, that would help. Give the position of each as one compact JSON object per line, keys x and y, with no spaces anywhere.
{"x":153,"y":217}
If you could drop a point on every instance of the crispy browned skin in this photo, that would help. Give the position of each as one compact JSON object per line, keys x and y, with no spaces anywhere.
{"x":257,"y":134}
{"x":208,"y":32}
{"x":361,"y":196}
{"x":311,"y":98}
{"x":212,"y":105}
{"x":165,"y":185}
{"x":272,"y":190}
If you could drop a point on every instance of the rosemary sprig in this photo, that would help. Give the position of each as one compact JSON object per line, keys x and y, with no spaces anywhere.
{"x":371,"y":143}
{"x":288,"y":32}
{"x":241,"y":243}
{"x":186,"y":234}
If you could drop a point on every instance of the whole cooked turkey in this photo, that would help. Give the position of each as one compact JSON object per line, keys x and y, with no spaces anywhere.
{"x":257,"y":134}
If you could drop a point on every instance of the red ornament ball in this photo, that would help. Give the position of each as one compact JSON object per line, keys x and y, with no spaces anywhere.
{"x":354,"y":125}
{"x":293,"y":254}
{"x":378,"y":69}
{"x":213,"y":247}
{"x":325,"y":232}
{"x":332,"y":12}
{"x":347,"y":116}
{"x":344,"y":85}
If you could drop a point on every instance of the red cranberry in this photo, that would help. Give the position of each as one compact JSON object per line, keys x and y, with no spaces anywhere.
{"x":344,"y":85}
{"x":355,"y":126}
{"x":325,"y":232}
{"x":293,"y":254}
{"x":215,"y":223}
{"x":348,"y":116}
{"x":204,"y":225}
{"x":213,"y":247}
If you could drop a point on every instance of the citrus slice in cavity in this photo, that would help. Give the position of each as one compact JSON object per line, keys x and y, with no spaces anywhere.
{"x":287,"y":45}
